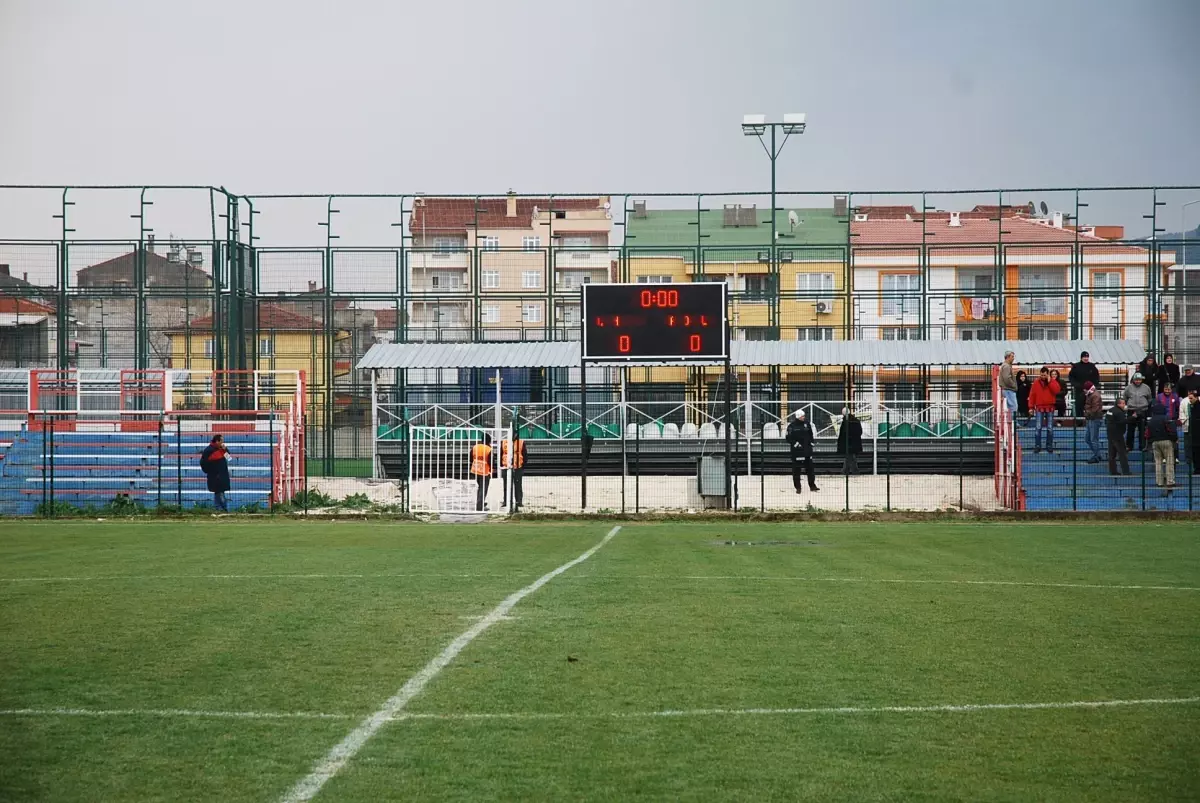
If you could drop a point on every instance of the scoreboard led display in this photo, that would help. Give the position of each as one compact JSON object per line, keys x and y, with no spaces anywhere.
{"x":654,"y":322}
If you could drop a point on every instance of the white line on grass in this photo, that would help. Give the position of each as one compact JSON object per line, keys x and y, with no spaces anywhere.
{"x":663,"y":714}
{"x":168,"y":712}
{"x":887,"y":709}
{"x":896,"y":581}
{"x":345,"y":750}
{"x":282,"y":576}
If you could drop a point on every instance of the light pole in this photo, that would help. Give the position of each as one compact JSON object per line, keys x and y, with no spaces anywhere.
{"x":756,"y":125}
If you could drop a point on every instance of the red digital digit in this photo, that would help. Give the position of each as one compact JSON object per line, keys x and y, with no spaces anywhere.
{"x":704,"y":320}
{"x":647,"y":298}
{"x":599,"y":321}
{"x":617,"y":320}
{"x":687,"y":320}
{"x":694,"y":343}
{"x":672,"y":298}
{"x":623,"y":344}
{"x":670,"y":320}
{"x":660,"y":298}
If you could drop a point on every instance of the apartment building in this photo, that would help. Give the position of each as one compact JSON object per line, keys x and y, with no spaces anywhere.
{"x":503,"y":268}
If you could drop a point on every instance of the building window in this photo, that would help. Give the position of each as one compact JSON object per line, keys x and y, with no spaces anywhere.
{"x":573,"y":281}
{"x":531,"y":279}
{"x":490,"y":279}
{"x":208,"y":348}
{"x":491,"y":313}
{"x":571,"y":316}
{"x":489,"y":243}
{"x":445,"y":281}
{"x":1045,"y":303}
{"x":1106,"y":333}
{"x":266,"y":384}
{"x":531,"y":313}
{"x":900,"y":293}
{"x":758,"y":287}
{"x":1041,"y":333}
{"x":756,"y":333}
{"x":266,"y":347}
{"x":975,"y":392}
{"x":531,"y":243}
{"x":976,"y":282}
{"x":814,"y":282}
{"x":654,"y":280}
{"x":815,"y":333}
{"x":1106,"y":284}
{"x":900,"y":333}
{"x":448,"y":245}
{"x":978,"y":333}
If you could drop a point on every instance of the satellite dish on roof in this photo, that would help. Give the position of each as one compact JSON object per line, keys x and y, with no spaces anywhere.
{"x":1045,"y":209}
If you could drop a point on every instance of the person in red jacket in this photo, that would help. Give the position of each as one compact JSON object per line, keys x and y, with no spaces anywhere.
{"x":1043,"y":398}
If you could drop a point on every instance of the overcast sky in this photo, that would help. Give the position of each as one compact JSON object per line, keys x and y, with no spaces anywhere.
{"x":613,"y":96}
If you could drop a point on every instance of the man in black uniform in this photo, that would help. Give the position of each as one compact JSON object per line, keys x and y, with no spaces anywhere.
{"x":800,"y":441}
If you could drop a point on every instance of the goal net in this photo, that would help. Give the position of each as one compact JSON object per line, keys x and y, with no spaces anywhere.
{"x":444,"y":475}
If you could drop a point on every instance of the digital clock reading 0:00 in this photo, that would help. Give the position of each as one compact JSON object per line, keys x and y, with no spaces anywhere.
{"x":654,"y":322}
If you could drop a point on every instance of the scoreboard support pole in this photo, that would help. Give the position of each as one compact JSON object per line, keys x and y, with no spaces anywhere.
{"x":584,"y":451}
{"x":728,"y":383}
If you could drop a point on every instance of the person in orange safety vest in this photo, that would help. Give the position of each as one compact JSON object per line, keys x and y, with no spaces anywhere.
{"x":513,"y":459}
{"x":481,"y":469}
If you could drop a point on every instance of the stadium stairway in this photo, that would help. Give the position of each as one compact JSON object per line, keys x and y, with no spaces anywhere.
{"x":1066,"y":480}
{"x":90,"y":469}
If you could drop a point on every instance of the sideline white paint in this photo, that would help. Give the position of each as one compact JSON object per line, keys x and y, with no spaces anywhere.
{"x":663,"y":714}
{"x":514,"y":575}
{"x":345,"y":750}
{"x":887,"y":709}
{"x":167,"y":712}
{"x":896,"y":581}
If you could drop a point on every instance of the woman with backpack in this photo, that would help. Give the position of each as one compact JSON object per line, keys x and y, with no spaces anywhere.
{"x":214,"y":462}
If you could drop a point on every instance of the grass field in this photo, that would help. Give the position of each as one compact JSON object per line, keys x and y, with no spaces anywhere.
{"x":225,"y":660}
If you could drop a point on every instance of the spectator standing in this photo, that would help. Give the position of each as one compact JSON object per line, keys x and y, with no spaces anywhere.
{"x":1093,"y":416}
{"x":214,"y":462}
{"x":1168,"y":372}
{"x":800,"y":445}
{"x":1008,"y":382}
{"x":1060,"y":398}
{"x":1188,"y":382}
{"x":1187,"y":411}
{"x":1080,"y":374}
{"x":1148,"y":368}
{"x":481,"y":469}
{"x":850,"y":441}
{"x":1115,"y":423}
{"x":1168,"y":398}
{"x":512,"y":459}
{"x":1023,"y":386}
{"x":1138,"y":398}
{"x":1043,"y":397}
{"x":1160,"y":432}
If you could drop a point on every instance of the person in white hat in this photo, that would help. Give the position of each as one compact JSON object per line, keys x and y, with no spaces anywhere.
{"x":800,"y":441}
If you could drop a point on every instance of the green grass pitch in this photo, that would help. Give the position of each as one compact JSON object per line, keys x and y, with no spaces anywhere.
{"x":222,"y":660}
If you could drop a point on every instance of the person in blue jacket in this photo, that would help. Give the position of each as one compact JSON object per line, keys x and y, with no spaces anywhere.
{"x":214,"y":462}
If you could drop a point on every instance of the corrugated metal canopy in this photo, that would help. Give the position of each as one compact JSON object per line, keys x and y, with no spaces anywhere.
{"x":471,"y":355}
{"x":769,"y":352}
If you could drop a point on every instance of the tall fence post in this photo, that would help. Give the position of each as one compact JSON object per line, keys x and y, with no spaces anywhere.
{"x":159,"y":472}
{"x":887,"y":439}
{"x":179,"y":462}
{"x":962,"y":425}
{"x":271,"y":452}
{"x":762,"y":472}
{"x":637,"y":470}
{"x":1074,"y":464}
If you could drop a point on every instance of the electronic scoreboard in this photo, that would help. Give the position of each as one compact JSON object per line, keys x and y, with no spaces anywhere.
{"x":655,"y":322}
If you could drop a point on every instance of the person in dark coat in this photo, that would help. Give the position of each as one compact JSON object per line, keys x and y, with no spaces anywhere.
{"x":800,"y":444}
{"x":1115,"y":423}
{"x":1148,"y":368}
{"x":1023,"y":385}
{"x":1188,"y":382}
{"x":1168,"y":372}
{"x":1082,"y":372}
{"x":850,"y":442}
{"x":214,"y":462}
{"x":1060,"y":398}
